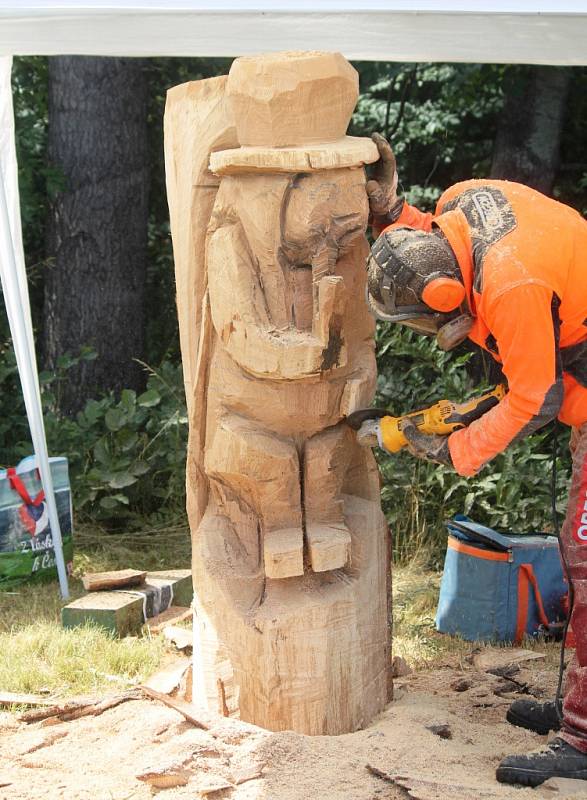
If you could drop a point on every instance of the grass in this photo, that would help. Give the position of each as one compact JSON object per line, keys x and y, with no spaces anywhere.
{"x":38,"y":655}
{"x":42,"y":657}
{"x":415,"y":597}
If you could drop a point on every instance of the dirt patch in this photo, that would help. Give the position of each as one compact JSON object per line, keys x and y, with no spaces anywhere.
{"x":100,"y":758}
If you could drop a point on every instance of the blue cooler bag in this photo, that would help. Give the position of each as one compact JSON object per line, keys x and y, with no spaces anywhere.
{"x":499,"y":587}
{"x":26,"y":541}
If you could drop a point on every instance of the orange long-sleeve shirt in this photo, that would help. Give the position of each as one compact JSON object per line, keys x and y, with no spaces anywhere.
{"x":523,"y":258}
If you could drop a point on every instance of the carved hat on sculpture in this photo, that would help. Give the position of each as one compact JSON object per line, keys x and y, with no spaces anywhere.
{"x":285,"y":126}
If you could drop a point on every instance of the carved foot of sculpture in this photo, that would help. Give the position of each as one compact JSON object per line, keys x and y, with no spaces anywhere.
{"x":283,"y":552}
{"x":329,"y":545}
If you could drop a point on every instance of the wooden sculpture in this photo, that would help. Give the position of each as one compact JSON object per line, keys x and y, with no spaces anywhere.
{"x":290,"y":547}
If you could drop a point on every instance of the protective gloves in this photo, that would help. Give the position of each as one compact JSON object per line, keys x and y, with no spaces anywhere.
{"x":430,"y":447}
{"x":384,"y":203}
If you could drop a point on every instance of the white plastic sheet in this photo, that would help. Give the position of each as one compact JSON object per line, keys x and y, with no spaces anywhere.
{"x":16,"y":299}
{"x":493,"y":31}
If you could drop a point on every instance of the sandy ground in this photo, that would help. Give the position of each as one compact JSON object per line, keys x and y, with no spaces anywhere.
{"x":100,"y":758}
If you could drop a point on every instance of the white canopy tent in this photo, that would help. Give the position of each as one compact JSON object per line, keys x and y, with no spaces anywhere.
{"x":493,"y":31}
{"x":505,"y":31}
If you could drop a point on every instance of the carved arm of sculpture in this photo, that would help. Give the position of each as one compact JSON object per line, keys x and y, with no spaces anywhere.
{"x":243,"y":324}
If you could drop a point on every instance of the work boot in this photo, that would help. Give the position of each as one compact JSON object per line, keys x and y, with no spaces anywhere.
{"x":559,"y":761}
{"x":534,"y":716}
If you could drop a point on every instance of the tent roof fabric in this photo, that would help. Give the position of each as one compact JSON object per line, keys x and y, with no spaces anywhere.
{"x":494,"y":31}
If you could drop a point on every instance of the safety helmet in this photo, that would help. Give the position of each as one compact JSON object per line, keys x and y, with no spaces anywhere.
{"x":413,"y":278}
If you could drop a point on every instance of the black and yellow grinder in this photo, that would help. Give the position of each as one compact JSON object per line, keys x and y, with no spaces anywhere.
{"x":375,"y":426}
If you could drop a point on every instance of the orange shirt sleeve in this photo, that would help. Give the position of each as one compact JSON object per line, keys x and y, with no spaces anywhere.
{"x":414,"y":218}
{"x":410,"y":216}
{"x":524,"y":321}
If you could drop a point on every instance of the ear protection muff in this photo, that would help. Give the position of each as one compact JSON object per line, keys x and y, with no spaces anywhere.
{"x":443,"y":294}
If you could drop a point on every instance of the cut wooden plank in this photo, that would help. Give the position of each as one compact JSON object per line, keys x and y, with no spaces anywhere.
{"x":183,"y":589}
{"x":167,"y":680}
{"x":183,"y":708}
{"x":181,"y":638}
{"x":79,"y":708}
{"x":18,"y":699}
{"x":497,"y":657}
{"x":284,"y":553}
{"x":96,"y":581}
{"x":122,"y":611}
{"x":171,"y":616}
{"x":117,"y":612}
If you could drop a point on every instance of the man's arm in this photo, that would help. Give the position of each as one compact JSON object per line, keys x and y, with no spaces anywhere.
{"x":413,"y":218}
{"x":525,"y":322}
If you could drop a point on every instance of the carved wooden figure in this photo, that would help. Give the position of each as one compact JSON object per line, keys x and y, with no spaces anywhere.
{"x":290,"y":547}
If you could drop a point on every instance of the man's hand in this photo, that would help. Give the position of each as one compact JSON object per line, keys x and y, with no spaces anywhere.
{"x":430,"y":447}
{"x":382,"y":188}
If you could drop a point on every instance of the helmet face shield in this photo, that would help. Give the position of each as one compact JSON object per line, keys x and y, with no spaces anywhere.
{"x":399,"y":267}
{"x":382,"y":301}
{"x":425,"y":325}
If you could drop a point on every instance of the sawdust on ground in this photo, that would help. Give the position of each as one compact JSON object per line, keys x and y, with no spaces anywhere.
{"x":100,"y":758}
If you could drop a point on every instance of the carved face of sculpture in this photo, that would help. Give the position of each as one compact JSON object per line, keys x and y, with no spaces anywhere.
{"x":323,"y":215}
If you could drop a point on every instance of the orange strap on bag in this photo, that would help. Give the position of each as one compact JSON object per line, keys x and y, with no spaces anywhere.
{"x":476,"y":552}
{"x":527,"y":578}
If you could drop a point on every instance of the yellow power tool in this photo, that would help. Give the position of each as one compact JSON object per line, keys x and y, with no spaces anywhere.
{"x":442,"y":418}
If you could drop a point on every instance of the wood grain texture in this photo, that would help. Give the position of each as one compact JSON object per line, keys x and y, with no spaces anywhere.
{"x":348,"y":152}
{"x":95,"y":581}
{"x":290,"y":547}
{"x":171,"y":616}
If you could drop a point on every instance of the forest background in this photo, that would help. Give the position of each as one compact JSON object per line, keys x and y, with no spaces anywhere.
{"x":100,"y":269}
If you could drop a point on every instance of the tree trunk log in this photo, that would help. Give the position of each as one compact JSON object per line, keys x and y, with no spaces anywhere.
{"x":97,"y":228}
{"x":290,"y":546}
{"x":529,"y":129}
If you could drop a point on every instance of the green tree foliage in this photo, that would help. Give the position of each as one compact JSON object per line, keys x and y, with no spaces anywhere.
{"x":440,"y":119}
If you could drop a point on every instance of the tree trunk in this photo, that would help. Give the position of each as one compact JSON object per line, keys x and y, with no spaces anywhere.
{"x":97,"y":228}
{"x":529,"y":129}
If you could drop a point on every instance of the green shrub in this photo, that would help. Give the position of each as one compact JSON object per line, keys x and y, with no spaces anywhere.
{"x":126,"y":454}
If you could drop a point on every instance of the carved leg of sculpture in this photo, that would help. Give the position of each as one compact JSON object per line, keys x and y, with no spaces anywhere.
{"x":326,"y":460}
{"x":263,"y":469}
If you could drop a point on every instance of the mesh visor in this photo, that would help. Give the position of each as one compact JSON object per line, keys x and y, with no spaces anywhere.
{"x":428,"y":325}
{"x":417,"y":316}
